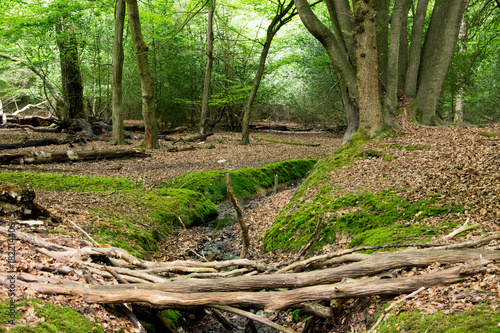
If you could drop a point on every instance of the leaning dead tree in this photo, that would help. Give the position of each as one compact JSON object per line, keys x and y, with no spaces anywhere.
{"x":309,"y":284}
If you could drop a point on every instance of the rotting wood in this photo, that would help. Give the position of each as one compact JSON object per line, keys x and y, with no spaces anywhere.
{"x":201,"y":137}
{"x":33,"y":143}
{"x":191,"y":147}
{"x":239,"y":215}
{"x":69,"y":156}
{"x":269,"y":301}
{"x":288,"y":142}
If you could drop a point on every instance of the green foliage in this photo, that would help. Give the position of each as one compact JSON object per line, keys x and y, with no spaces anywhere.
{"x":171,"y":316}
{"x":481,"y":319}
{"x":54,"y":182}
{"x":245,"y":182}
{"x":490,"y":135}
{"x":413,"y":148}
{"x":55,"y":319}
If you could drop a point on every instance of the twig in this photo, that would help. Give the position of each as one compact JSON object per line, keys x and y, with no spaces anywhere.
{"x":306,"y":247}
{"x":260,"y":318}
{"x":83,"y":231}
{"x":393,"y":305}
{"x":463,"y":228}
{"x":239,"y":214}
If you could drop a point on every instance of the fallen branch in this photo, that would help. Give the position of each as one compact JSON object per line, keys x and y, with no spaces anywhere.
{"x":33,"y":143}
{"x":189,"y":148}
{"x":239,"y":215}
{"x":463,"y":228}
{"x":288,"y":142}
{"x":201,"y":137}
{"x":392,"y":306}
{"x":69,"y":156}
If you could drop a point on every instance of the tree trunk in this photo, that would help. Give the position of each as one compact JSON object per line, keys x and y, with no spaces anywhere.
{"x":459,"y":107}
{"x":273,"y":28}
{"x":208,"y":70}
{"x":70,"y":72}
{"x":391,"y":94}
{"x":382,"y":10}
{"x":403,"y":46}
{"x":370,"y":110}
{"x":147,"y":83}
{"x":117,"y":98}
{"x":440,"y":41}
{"x":415,"y":50}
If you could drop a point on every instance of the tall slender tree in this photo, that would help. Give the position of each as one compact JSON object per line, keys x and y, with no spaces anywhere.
{"x":208,"y":69}
{"x":116,"y":86}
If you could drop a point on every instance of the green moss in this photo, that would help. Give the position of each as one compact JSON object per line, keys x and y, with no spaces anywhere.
{"x":366,"y":217}
{"x":245,"y":182}
{"x":57,"y":232}
{"x":490,"y":134}
{"x":172,"y":317}
{"x":370,"y":153}
{"x":481,"y":319}
{"x":394,"y":146}
{"x":413,"y":148}
{"x":55,"y":182}
{"x":130,"y":213}
{"x":389,"y":157}
{"x":56,"y":319}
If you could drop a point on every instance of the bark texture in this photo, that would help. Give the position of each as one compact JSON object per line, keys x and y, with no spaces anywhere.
{"x":208,"y":69}
{"x":118,"y":57}
{"x":147,"y":84}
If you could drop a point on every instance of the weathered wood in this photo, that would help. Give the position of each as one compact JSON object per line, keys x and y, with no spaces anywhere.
{"x":201,"y":137}
{"x":33,"y":143}
{"x":69,"y":156}
{"x":189,"y":148}
{"x":239,"y":215}
{"x":270,"y":301}
{"x":288,"y":142}
{"x":376,"y":263}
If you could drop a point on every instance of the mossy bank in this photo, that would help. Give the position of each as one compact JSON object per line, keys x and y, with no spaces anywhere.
{"x":362,"y":218}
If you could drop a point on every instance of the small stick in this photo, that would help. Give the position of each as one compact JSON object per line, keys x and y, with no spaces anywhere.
{"x":83,"y":231}
{"x":392,"y":306}
{"x":275,"y":187}
{"x":260,"y":318}
{"x":239,"y":214}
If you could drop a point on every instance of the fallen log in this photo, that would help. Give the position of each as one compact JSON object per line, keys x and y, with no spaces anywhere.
{"x":288,"y":142}
{"x":69,"y":156}
{"x":33,"y":143}
{"x":269,"y":301}
{"x":201,"y":137}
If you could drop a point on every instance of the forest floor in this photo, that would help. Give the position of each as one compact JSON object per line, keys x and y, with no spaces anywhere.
{"x":461,"y":163}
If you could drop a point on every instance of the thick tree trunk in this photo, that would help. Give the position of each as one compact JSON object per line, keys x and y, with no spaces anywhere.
{"x":352,"y":112}
{"x":403,"y":46}
{"x":370,"y":110}
{"x":391,"y":95}
{"x":118,"y":57}
{"x":382,"y":10}
{"x":440,"y":41}
{"x":70,"y":73}
{"x":415,"y":50}
{"x":147,"y":83}
{"x":208,"y":70}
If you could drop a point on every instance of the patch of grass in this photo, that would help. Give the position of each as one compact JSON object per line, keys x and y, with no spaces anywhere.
{"x":479,"y":320}
{"x":389,"y":157}
{"x":245,"y":182}
{"x":56,"y":319}
{"x":490,"y":134}
{"x":413,"y":148}
{"x":136,"y":219}
{"x":372,"y":219}
{"x":370,"y":153}
{"x":57,"y":232}
{"x":394,"y":146}
{"x":55,"y":182}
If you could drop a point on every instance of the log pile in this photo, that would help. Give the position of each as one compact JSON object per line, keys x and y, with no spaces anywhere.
{"x":241,"y":284}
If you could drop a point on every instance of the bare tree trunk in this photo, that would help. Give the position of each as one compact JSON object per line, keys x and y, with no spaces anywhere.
{"x":117,"y":98}
{"x":403,"y":46}
{"x":459,"y":107}
{"x":440,"y":41}
{"x":278,"y":21}
{"x":382,"y":9}
{"x":415,"y":50}
{"x":208,"y":70}
{"x":370,"y":110}
{"x":391,"y":95}
{"x":147,"y":83}
{"x":70,"y":72}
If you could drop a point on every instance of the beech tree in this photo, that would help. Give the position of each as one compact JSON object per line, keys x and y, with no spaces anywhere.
{"x":352,"y":31}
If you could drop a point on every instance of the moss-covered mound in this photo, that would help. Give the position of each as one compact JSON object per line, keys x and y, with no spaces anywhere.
{"x":481,"y":319}
{"x":52,"y":319}
{"x":136,"y":219}
{"x":366,"y":218}
{"x":245,"y":182}
{"x":56,"y":182}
